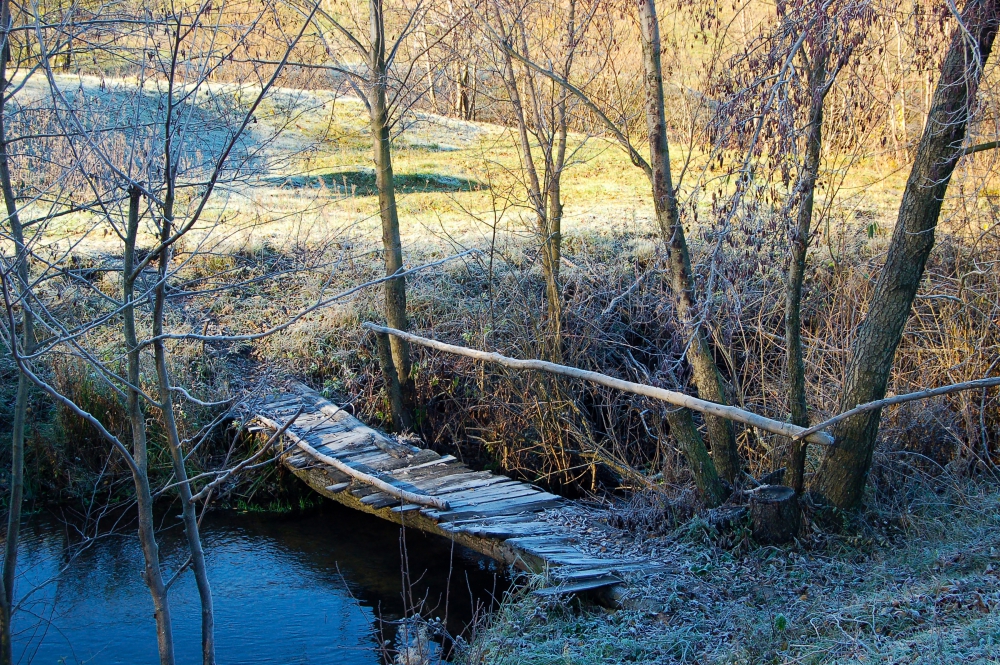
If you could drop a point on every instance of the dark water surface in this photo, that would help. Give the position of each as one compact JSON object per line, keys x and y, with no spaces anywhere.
{"x":300,"y":588}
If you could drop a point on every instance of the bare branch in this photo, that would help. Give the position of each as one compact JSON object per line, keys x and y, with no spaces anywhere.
{"x":899,"y":399}
{"x":981,"y":147}
{"x":250,"y":460}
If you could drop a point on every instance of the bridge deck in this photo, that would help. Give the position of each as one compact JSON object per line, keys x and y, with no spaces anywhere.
{"x":489,"y":513}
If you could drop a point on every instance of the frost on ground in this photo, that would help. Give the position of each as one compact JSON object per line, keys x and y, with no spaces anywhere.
{"x":917,"y":588}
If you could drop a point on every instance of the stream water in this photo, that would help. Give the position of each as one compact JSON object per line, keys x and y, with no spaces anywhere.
{"x":300,"y":588}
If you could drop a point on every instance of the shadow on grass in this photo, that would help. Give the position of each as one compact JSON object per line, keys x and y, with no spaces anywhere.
{"x":362,"y":182}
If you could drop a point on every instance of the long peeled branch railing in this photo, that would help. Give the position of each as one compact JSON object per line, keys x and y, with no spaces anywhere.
{"x":669,"y":396}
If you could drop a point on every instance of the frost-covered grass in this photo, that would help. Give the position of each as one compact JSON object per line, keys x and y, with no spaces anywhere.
{"x":923,"y":589}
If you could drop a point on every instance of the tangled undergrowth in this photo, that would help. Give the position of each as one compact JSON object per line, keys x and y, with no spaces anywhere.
{"x":574,"y":438}
{"x":578,"y":438}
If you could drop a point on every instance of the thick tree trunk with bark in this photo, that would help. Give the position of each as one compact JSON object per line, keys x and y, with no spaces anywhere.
{"x":706,"y":477}
{"x":795,"y":365}
{"x":400,"y":415}
{"x":842,"y":475}
{"x":707,"y":377}
{"x":395,"y":290}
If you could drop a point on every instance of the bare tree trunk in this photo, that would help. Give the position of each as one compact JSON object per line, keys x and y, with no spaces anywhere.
{"x":399,"y":412}
{"x":795,"y":366}
{"x":473,"y":87}
{"x":557,"y":159}
{"x":188,"y":507}
{"x":16,"y":496}
{"x":902,"y":90}
{"x":395,"y":290}
{"x":537,"y":198}
{"x":842,"y":475}
{"x":429,"y":71}
{"x":707,"y":377}
{"x":706,"y":477}
{"x":464,"y":107}
{"x":552,"y":255}
{"x":147,"y":534}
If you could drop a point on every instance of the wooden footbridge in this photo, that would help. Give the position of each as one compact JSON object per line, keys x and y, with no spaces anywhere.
{"x":345,"y":460}
{"x":511,"y":521}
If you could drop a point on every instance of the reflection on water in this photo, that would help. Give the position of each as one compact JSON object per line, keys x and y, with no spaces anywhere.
{"x":288,"y":589}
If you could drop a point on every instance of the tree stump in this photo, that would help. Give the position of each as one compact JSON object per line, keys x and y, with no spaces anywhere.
{"x":774,"y":512}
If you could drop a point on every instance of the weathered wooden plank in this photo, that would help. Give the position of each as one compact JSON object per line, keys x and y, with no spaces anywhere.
{"x":580,"y":560}
{"x":331,"y":430}
{"x":370,"y":458}
{"x":588,"y":585}
{"x":431,"y":461}
{"x":346,"y":453}
{"x":364,"y":490}
{"x":499,"y":520}
{"x":370,"y":478}
{"x":570,"y":573}
{"x":507,"y":531}
{"x":349,"y":439}
{"x":462,"y":487}
{"x":419,"y":459}
{"x":433,"y":465}
{"x":457,"y":477}
{"x":494,"y":510}
{"x":380,"y":500}
{"x":562,"y":540}
{"x":430,"y":473}
{"x":486,"y":495}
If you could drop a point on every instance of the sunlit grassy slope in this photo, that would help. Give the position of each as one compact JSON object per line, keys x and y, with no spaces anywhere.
{"x":308,"y":173}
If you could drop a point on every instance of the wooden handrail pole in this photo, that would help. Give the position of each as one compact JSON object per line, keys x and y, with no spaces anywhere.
{"x":669,"y":396}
